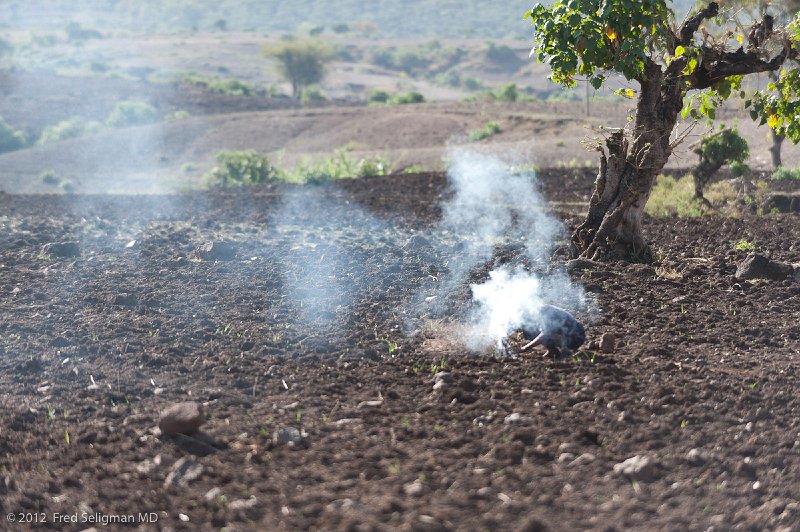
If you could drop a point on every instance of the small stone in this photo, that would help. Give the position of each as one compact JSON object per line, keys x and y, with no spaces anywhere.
{"x":243,"y":504}
{"x":696,"y":457}
{"x":518,"y":419}
{"x":575,"y":265}
{"x":370,"y":404}
{"x":347,"y":421}
{"x":182,"y":418}
{"x":757,"y":486}
{"x":61,"y":250}
{"x":183,"y":517}
{"x":414,"y":489}
{"x":125,"y":300}
{"x":608,"y":343}
{"x":564,"y":458}
{"x":212,"y":494}
{"x":757,"y":266}
{"x":183,"y":472}
{"x":640,"y":468}
{"x":585,"y":458}
{"x":216,"y":251}
{"x":290,"y":437}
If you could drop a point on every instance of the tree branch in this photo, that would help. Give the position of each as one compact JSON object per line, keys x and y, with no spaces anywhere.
{"x":716,"y":65}
{"x":690,"y":27}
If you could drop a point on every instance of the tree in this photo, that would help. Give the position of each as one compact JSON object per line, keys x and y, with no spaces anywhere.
{"x":715,"y":151}
{"x":783,"y":11}
{"x":641,"y":41}
{"x":301,"y":63}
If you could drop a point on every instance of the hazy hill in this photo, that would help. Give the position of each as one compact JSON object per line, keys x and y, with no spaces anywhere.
{"x":396,"y":18}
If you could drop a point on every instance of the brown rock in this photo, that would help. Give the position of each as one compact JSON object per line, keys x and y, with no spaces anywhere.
{"x":61,"y":250}
{"x":216,"y":251}
{"x":182,"y":418}
{"x":757,"y":266}
{"x":608,"y":342}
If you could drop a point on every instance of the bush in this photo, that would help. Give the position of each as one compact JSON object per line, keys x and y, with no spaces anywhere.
{"x":408,"y":98}
{"x":503,"y":56}
{"x":312,"y":94}
{"x":49,"y":177}
{"x":11,"y":139}
{"x":491,"y":128}
{"x":340,"y":166}
{"x":68,"y":129}
{"x":132,"y":113}
{"x":507,"y":93}
{"x":378,"y":97}
{"x":233,"y":87}
{"x":237,"y":168}
{"x":717,"y":150}
{"x":786,"y":174}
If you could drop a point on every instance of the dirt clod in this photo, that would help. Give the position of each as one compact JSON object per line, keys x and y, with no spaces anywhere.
{"x":757,"y":266}
{"x":607,"y":343}
{"x":61,"y":250}
{"x":182,"y":418}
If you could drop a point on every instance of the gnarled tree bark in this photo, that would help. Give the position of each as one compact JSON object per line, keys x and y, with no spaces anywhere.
{"x":631,"y":161}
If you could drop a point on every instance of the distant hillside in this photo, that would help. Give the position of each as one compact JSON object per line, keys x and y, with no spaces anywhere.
{"x":395,"y":18}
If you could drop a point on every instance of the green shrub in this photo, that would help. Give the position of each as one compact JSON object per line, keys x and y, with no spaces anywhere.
{"x":717,"y":150}
{"x":68,"y":129}
{"x":507,"y":93}
{"x":491,"y":128}
{"x":340,"y":166}
{"x":408,"y":98}
{"x":237,"y":168}
{"x":132,"y":113}
{"x":49,"y":177}
{"x":503,"y":56}
{"x":471,"y":84}
{"x":11,"y":139}
{"x":232,"y":87}
{"x":177,"y":115}
{"x":378,"y":97}
{"x":786,"y":174}
{"x":312,"y":94}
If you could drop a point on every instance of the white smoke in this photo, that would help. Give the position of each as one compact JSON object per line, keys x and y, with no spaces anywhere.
{"x":495,"y":206}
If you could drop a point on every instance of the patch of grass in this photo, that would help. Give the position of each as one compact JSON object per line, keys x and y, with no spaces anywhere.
{"x":744,"y":245}
{"x":488,"y":130}
{"x":377,"y":97}
{"x":312,"y":94}
{"x":786,"y":174}
{"x":674,"y":198}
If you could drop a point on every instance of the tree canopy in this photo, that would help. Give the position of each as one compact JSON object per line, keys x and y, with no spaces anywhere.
{"x":590,"y":39}
{"x":302,"y":63}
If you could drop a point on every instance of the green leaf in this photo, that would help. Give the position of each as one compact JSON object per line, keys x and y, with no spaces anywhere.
{"x":679,"y":51}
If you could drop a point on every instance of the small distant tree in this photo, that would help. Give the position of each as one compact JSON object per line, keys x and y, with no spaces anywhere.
{"x":668,"y":61}
{"x":722,"y":148}
{"x":301,"y":63}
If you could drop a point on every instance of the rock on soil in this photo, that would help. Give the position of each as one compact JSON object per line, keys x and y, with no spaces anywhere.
{"x":640,"y":468}
{"x":61,"y":250}
{"x":182,"y":418}
{"x":183,"y":472}
{"x":291,"y":437}
{"x":757,"y":266}
{"x":781,"y":202}
{"x":608,"y":343}
{"x":216,"y":251}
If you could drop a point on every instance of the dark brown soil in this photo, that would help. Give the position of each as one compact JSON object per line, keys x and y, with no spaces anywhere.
{"x":305,"y":328}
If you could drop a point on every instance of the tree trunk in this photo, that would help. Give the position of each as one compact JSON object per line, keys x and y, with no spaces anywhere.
{"x":775,"y":149}
{"x":703,"y":173}
{"x":629,"y":165}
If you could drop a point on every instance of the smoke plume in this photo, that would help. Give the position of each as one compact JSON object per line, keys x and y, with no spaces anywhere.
{"x":497,"y":206}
